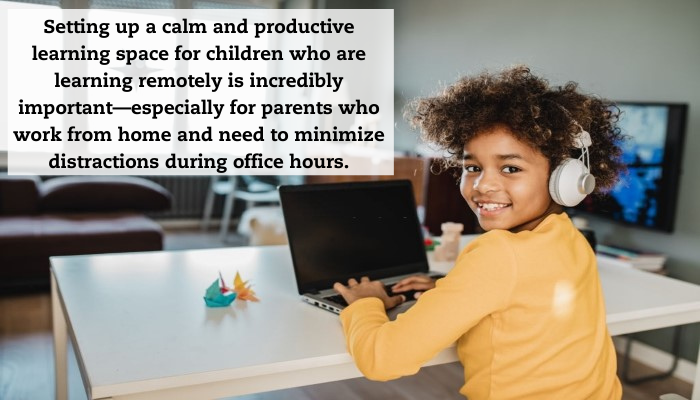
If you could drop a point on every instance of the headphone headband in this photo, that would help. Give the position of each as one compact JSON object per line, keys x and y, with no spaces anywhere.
{"x":582,"y":138}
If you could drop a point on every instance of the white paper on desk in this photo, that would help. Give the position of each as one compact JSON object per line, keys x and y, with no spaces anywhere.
{"x":614,"y":261}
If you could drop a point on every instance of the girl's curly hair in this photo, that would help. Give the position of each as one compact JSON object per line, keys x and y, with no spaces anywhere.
{"x":541,"y":115}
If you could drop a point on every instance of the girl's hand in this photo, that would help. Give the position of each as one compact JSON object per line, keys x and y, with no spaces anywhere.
{"x":419,"y":283}
{"x":366,"y":288}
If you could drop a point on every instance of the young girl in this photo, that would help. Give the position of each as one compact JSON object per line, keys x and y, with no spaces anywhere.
{"x":523,"y":302}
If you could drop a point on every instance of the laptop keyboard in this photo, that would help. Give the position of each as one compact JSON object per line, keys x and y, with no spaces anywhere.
{"x":409,"y":294}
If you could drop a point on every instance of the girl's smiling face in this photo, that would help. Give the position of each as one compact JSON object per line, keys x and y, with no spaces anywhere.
{"x":505,"y":181}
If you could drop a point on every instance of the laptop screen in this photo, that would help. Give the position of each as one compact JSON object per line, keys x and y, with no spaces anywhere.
{"x":346,"y":230}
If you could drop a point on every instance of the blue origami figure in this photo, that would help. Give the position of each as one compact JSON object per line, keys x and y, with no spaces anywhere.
{"x":218,"y":295}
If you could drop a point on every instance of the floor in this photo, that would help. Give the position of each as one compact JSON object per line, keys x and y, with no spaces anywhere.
{"x":27,"y":371}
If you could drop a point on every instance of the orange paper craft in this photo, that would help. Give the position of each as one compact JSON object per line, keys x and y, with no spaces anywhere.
{"x":243,"y":290}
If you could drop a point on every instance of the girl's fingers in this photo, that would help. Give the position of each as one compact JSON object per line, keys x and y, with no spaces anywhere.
{"x":414,"y":283}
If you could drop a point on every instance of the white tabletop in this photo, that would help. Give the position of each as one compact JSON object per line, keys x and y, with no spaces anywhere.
{"x":637,"y":300}
{"x":139,"y":322}
{"x":141,"y":317}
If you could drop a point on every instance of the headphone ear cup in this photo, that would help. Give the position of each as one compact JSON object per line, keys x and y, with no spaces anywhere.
{"x":570,"y":182}
{"x":554,"y":184}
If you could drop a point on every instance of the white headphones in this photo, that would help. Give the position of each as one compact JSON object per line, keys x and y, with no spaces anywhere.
{"x":571,"y":181}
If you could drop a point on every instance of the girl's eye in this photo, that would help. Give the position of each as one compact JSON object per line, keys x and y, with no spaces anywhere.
{"x":510,"y":169}
{"x":471,"y":168}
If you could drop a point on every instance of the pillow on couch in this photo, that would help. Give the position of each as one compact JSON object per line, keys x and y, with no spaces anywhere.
{"x":19,"y":195}
{"x":87,"y":193}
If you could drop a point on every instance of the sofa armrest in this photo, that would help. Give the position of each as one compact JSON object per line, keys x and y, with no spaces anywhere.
{"x":98,"y":193}
{"x":19,"y":195}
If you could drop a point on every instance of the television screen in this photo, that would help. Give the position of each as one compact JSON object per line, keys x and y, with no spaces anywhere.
{"x":646,"y":195}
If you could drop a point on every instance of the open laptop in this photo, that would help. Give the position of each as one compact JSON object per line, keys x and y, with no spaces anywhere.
{"x":349,"y":230}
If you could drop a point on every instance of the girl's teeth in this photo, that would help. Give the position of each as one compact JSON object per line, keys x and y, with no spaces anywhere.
{"x":491,"y":206}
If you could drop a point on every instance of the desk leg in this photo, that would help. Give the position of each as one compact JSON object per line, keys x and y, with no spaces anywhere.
{"x":696,"y":382}
{"x":60,"y":342}
{"x":675,"y":351}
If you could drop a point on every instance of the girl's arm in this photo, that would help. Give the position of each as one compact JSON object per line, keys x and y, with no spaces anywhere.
{"x":480,"y":284}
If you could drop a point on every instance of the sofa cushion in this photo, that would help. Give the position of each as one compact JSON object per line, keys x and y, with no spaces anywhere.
{"x":85,"y":233}
{"x":103,"y":194}
{"x":19,"y":195}
{"x":26,"y":243}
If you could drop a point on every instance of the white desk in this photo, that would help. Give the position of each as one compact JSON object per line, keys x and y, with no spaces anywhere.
{"x":140,"y":328}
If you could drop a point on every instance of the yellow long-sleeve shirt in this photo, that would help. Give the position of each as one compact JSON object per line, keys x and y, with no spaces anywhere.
{"x":526,"y":311}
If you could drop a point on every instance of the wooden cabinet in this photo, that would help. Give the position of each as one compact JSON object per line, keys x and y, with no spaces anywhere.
{"x":444,"y":203}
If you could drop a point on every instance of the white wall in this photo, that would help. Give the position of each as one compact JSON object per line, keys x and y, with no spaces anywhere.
{"x":621,"y":50}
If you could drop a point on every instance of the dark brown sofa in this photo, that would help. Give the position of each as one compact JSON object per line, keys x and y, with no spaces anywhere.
{"x":71,"y":216}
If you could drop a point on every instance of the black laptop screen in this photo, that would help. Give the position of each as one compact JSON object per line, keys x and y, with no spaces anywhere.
{"x":340,"y":231}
